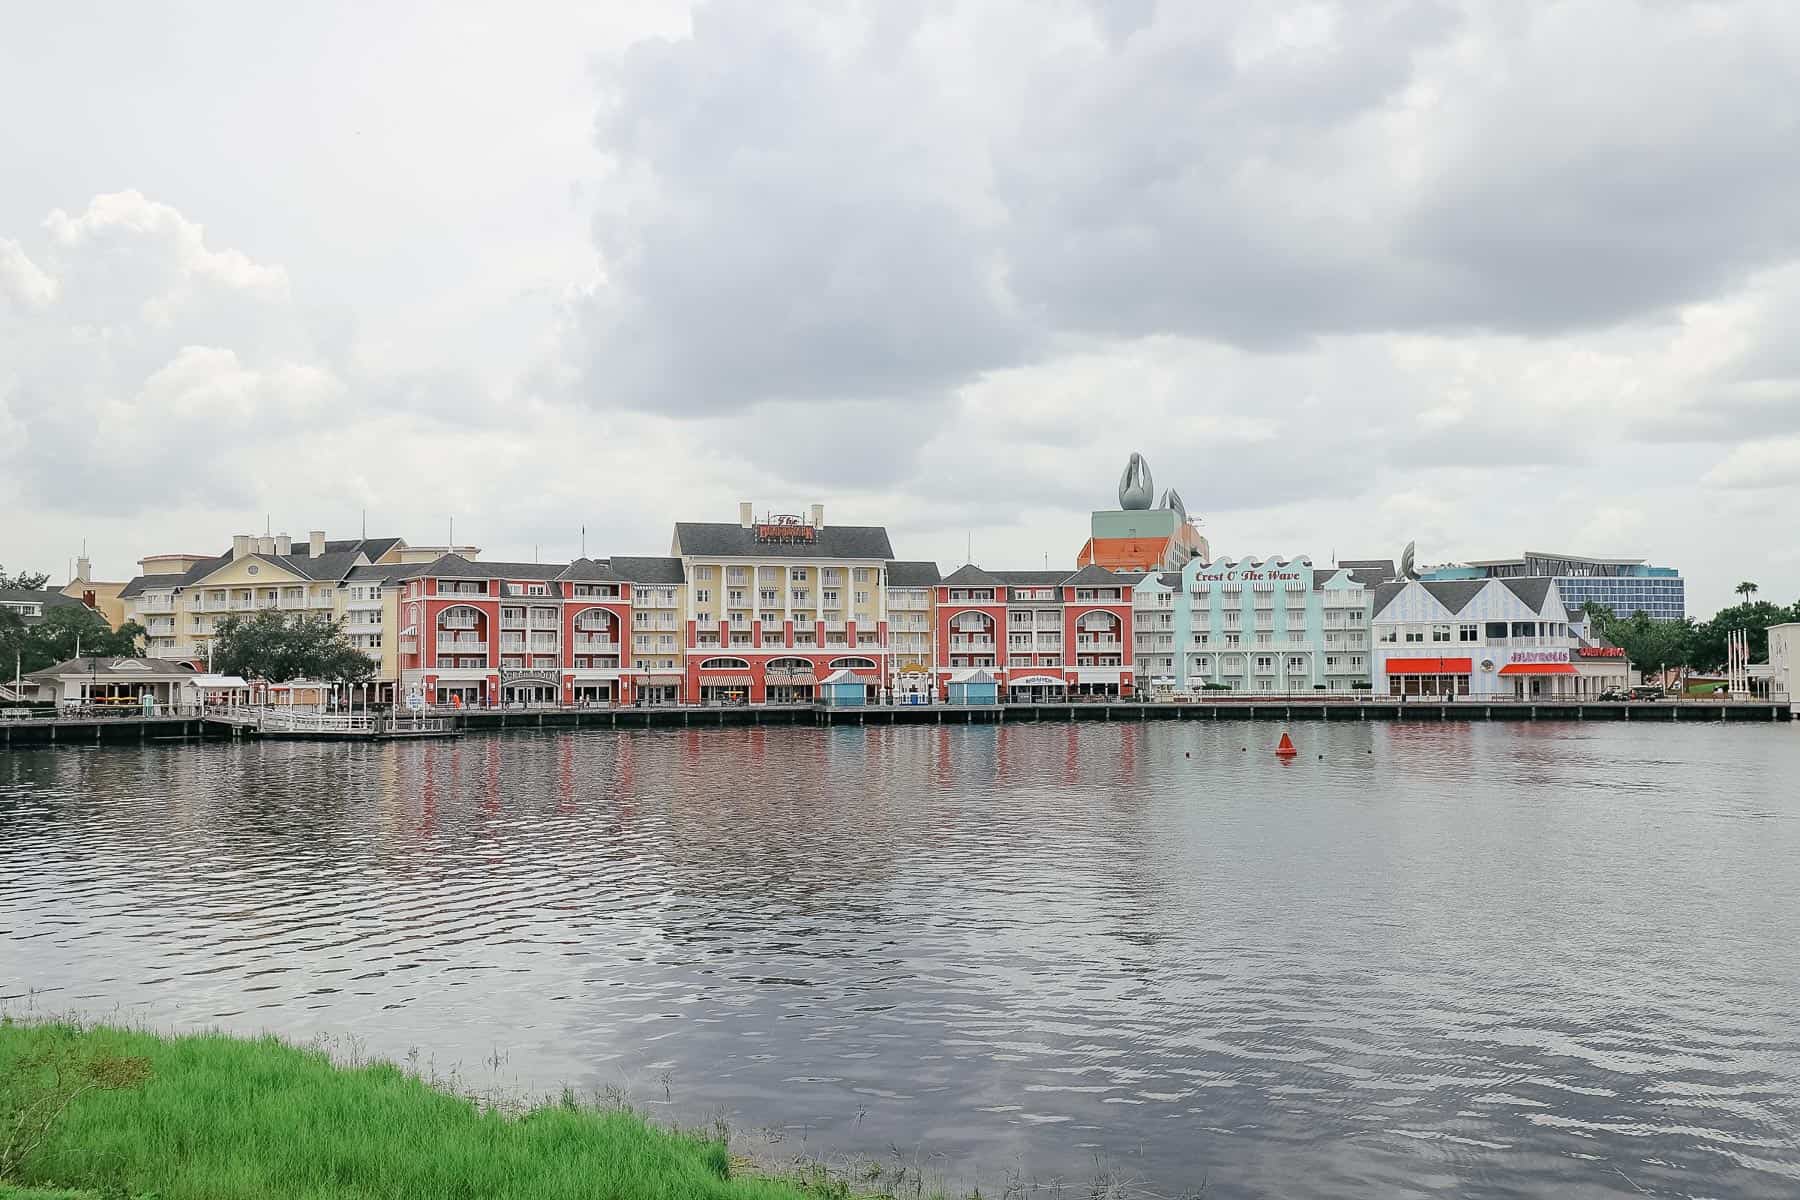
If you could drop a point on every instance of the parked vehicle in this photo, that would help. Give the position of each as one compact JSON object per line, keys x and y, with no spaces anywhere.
{"x":1648,"y":691}
{"x":1614,"y":694}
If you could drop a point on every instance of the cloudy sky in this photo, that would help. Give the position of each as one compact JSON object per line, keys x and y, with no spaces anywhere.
{"x":1488,"y":276}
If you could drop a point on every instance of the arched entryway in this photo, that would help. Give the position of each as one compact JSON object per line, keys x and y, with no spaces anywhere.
{"x":790,"y":681}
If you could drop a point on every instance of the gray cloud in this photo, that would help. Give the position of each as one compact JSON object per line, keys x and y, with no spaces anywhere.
{"x":811,"y":208}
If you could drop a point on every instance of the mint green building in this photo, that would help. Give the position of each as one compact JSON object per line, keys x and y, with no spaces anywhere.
{"x":1253,"y":626}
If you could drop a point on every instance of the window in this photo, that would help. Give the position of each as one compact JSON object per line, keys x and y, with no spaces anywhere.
{"x":1415,"y":635}
{"x":1440,"y":633}
{"x":799,"y":575}
{"x":1264,"y":663}
{"x":1356,"y":660}
{"x":862,"y":574}
{"x":703,"y":596}
{"x":703,"y":618}
{"x":1496,"y":631}
{"x":828,"y":597}
{"x":862,"y":599}
{"x":537,"y":589}
{"x":1469,"y":633}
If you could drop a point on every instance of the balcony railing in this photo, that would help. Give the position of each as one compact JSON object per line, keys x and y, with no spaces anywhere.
{"x":971,"y":643}
{"x":597,"y":643}
{"x":457,"y":645}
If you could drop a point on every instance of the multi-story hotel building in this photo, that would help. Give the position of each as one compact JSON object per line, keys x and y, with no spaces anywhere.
{"x":594,"y":631}
{"x":1625,"y":585}
{"x":912,"y":643}
{"x":1256,"y":626}
{"x":1041,"y":634}
{"x":776,"y":604}
{"x":180,"y":599}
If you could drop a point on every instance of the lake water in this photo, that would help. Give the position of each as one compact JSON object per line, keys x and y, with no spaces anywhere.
{"x":1487,"y":960}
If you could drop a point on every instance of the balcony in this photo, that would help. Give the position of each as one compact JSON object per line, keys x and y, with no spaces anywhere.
{"x":595,"y":643}
{"x":409,"y":645}
{"x":1084,"y":645}
{"x":549,"y":623}
{"x":457,"y":645}
{"x":971,"y":643}
{"x":834,"y":627}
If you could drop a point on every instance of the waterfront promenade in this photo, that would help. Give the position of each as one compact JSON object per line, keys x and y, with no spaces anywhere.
{"x":194,"y":724}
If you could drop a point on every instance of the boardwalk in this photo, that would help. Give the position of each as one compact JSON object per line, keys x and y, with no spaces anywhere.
{"x":379,"y":726}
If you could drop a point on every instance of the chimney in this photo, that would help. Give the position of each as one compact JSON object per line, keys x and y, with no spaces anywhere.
{"x":316,"y":543}
{"x":265,"y":545}
{"x":818,"y":516}
{"x":240,"y":545}
{"x":744,"y":517}
{"x":284,"y":545}
{"x":84,"y":570}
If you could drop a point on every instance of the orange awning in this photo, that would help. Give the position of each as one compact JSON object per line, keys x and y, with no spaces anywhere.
{"x":1430,"y":666}
{"x":1538,"y":669}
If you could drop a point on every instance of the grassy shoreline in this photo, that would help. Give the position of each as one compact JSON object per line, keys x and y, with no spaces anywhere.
{"x":203,"y":1116}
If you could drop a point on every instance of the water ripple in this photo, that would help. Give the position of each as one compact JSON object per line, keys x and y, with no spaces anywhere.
{"x":1489,"y":961}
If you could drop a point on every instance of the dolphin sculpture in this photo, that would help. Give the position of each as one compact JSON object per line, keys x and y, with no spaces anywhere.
{"x":1407,"y":570}
{"x":1171,"y":500}
{"x":1135,"y":488}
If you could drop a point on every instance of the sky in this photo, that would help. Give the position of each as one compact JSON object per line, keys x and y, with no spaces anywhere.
{"x":1484,"y":277}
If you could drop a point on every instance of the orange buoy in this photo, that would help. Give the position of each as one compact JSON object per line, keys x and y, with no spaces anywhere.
{"x":1286,"y":749}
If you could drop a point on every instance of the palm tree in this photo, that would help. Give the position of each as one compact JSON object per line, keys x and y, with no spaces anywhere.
{"x":1745,"y":589}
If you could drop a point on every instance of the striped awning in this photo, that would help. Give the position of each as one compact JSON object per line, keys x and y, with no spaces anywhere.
{"x":792,"y":679}
{"x":725,"y":681}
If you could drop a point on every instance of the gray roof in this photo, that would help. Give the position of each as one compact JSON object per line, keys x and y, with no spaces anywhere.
{"x":143,"y":583}
{"x":113,"y":665}
{"x":655,"y":569}
{"x":1370,"y":571}
{"x":590,"y":570}
{"x":455,"y":566}
{"x":1455,"y":594}
{"x":1532,"y":589}
{"x":969,"y":573}
{"x":715,"y":539}
{"x":912,"y":574}
{"x":44,"y":596}
{"x":1093,"y":576}
{"x":390,"y":573}
{"x":1031,"y":578}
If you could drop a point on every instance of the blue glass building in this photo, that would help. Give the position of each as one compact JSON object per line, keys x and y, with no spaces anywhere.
{"x":1626,"y":585}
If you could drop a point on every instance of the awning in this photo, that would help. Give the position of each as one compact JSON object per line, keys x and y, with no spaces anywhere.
{"x":794,"y":678}
{"x":1430,"y":666}
{"x":1538,"y":669}
{"x":724,"y":681}
{"x":663,"y":677}
{"x":1035,"y":681}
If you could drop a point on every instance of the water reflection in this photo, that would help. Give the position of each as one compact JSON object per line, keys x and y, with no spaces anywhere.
{"x":1420,"y":959}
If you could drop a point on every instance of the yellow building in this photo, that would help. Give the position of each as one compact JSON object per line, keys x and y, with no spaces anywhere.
{"x":181,"y":599}
{"x":102,"y":597}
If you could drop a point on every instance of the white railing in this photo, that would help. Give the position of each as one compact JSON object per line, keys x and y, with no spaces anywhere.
{"x":462,"y":645}
{"x":602,"y":644}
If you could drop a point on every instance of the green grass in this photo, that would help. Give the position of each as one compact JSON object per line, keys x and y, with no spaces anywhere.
{"x":227,"y":1117}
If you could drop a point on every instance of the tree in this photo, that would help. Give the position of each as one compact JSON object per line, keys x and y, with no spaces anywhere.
{"x":276,"y":647}
{"x":69,"y":629}
{"x":1745,"y":589}
{"x":31,"y":581}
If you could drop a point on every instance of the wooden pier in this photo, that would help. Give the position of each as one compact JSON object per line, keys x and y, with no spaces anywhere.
{"x":370,"y":727}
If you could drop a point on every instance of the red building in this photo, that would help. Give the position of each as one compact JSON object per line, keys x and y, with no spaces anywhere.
{"x":595,"y":631}
{"x":1045,"y":635}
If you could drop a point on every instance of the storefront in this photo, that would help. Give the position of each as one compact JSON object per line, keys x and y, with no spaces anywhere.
{"x":1035,"y":689}
{"x":1600,"y":671}
{"x":1437,"y":678}
{"x":1539,"y":675}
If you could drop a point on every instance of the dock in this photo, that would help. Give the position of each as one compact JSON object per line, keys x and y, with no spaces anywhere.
{"x":218,"y":723}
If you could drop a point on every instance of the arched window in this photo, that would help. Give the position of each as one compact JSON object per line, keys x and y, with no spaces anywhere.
{"x":724,"y":664}
{"x":596,"y":620}
{"x":852,"y":664}
{"x":788,"y":665}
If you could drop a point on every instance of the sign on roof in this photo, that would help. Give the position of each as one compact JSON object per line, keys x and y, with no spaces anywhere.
{"x":785,"y":527}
